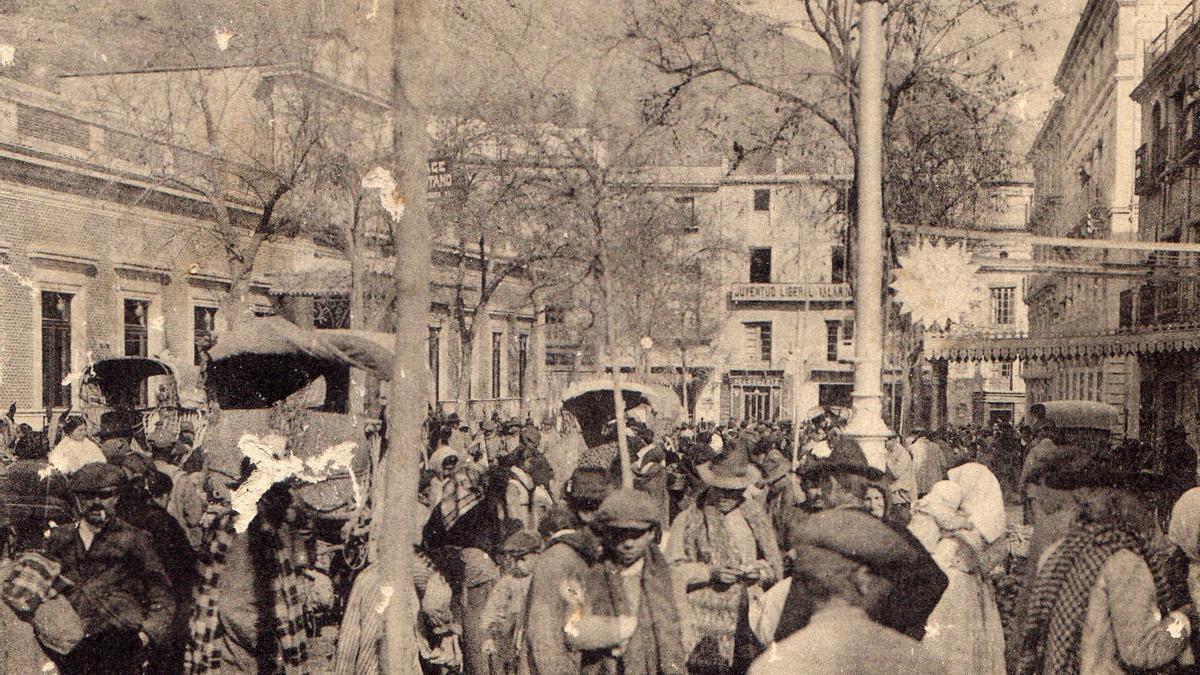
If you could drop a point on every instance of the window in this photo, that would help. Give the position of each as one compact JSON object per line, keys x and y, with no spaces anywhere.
{"x":760,"y":265}
{"x":203,"y":321}
{"x":497,"y":345}
{"x":762,"y":200}
{"x":1125,"y":319}
{"x":758,"y":340}
{"x":435,"y":361}
{"x":687,"y":206}
{"x":832,"y":339}
{"x":56,"y":348}
{"x":136,"y":334}
{"x":837,"y":256}
{"x":1002,"y":305}
{"x":522,"y":363}
{"x":1005,"y":373}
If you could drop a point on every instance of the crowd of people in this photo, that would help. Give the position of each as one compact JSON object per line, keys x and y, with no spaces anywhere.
{"x":750,"y":547}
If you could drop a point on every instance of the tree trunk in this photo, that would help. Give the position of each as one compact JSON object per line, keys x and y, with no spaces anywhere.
{"x":358,"y":378}
{"x":394,"y":525}
{"x":610,"y":335}
{"x":683,"y":376}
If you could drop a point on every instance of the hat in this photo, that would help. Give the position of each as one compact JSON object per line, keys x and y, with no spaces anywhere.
{"x":1099,"y":466}
{"x":730,"y":470}
{"x":840,"y":535}
{"x":186,"y":426}
{"x":96,"y":476}
{"x":774,"y":466}
{"x":161,"y":439}
{"x":487,"y":425}
{"x":588,"y":483}
{"x":845,"y":456}
{"x":134,"y":463}
{"x":439,"y":456}
{"x":521,"y":542}
{"x":628,"y":509}
{"x":530,"y":437}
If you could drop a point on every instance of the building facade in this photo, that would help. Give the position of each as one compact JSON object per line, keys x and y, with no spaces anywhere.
{"x":1084,"y":163}
{"x":1168,"y":175}
{"x":783,"y":327}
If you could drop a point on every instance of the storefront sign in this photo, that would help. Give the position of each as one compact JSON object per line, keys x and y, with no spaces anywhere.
{"x":790,"y":292}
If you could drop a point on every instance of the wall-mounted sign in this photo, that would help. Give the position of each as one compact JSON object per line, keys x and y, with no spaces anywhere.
{"x":790,"y":292}
{"x":440,"y":178}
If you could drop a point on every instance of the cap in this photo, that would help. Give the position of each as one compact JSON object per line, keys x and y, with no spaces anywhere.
{"x":487,"y":425}
{"x":774,"y":466}
{"x":95,"y":477}
{"x":521,"y":542}
{"x":628,"y":509}
{"x":135,"y":464}
{"x":840,"y":535}
{"x":588,"y":483}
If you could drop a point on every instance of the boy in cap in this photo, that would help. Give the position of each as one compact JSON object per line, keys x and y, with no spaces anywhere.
{"x":627,"y":621}
{"x":119,"y":587}
{"x":503,"y":615}
{"x":847,"y":561}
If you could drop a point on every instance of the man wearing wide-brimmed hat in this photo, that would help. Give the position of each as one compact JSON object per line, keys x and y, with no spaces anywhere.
{"x":1097,"y":604}
{"x":628,"y":621}
{"x":780,"y":492}
{"x":723,"y":550}
{"x":848,"y":564}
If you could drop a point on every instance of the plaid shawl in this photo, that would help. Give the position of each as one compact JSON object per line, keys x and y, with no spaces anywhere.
{"x":204,"y":648}
{"x":1058,"y":603}
{"x":28,"y":582}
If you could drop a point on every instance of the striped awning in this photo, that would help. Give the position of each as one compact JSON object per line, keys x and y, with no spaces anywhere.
{"x":1138,"y":341}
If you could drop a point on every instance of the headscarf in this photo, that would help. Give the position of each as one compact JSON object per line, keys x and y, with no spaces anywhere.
{"x":458,"y":500}
{"x":982,"y":500}
{"x":1184,"y":530}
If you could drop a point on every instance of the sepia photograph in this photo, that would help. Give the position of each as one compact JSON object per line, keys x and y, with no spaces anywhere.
{"x":642,"y":337}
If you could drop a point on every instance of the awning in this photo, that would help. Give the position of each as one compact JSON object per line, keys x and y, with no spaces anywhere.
{"x":1125,"y":343}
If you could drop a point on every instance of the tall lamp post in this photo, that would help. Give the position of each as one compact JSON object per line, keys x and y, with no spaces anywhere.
{"x":866,"y":423}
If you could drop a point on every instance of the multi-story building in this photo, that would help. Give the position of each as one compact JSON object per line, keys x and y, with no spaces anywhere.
{"x":106,"y":250}
{"x":1161,"y":312}
{"x":1084,"y":163}
{"x":782,"y":336}
{"x":970,"y":389}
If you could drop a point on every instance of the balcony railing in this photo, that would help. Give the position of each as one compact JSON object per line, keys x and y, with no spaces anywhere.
{"x":1163,"y":304}
{"x":1175,"y":27}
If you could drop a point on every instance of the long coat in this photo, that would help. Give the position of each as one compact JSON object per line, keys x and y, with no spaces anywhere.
{"x":556,"y":594}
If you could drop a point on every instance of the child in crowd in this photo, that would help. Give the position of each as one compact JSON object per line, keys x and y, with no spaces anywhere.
{"x":505,"y":606}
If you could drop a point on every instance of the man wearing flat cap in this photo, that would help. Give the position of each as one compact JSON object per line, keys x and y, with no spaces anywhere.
{"x":848,"y":562}
{"x":119,"y":587}
{"x":627,"y":620}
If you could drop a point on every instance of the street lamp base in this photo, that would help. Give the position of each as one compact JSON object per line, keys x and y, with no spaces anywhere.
{"x":866,"y":426}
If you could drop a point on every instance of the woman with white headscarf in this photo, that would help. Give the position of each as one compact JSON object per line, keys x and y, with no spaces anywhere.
{"x":961,"y":522}
{"x":1184,"y":533}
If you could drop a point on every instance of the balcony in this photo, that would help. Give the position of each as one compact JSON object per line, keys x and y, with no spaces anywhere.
{"x":1143,"y":177}
{"x":1176,"y":26}
{"x":757,"y":293}
{"x":1163,"y":304}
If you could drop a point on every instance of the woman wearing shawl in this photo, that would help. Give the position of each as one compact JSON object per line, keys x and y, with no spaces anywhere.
{"x":722,"y":550}
{"x":1097,"y":605}
{"x":462,"y":533}
{"x":961,"y":523}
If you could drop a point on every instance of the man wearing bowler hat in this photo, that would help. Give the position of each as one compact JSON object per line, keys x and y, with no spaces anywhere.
{"x":119,"y":587}
{"x":628,"y":621}
{"x":848,"y":563}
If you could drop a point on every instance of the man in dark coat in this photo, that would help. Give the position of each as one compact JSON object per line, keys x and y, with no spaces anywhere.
{"x":120,"y":589}
{"x":556,"y":590}
{"x":170,"y":544}
{"x":1179,"y":463}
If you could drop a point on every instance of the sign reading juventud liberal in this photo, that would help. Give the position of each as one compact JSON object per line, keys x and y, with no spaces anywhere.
{"x":790,"y":292}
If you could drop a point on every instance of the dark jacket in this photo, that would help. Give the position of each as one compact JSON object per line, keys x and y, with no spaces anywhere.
{"x":119,"y":584}
{"x":169,"y":541}
{"x":556,"y":591}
